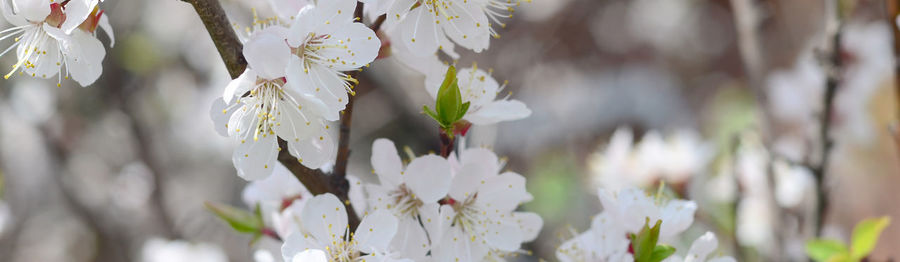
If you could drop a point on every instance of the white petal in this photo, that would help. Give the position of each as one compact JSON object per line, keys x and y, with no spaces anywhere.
{"x":477,"y":86}
{"x":470,"y":28}
{"x":33,"y":10}
{"x":397,"y":11}
{"x":294,"y":124}
{"x":239,"y":86}
{"x":286,"y":9}
{"x":411,"y":240}
{"x":48,"y":60}
{"x":503,"y":192}
{"x":267,"y":53}
{"x":702,"y":247}
{"x":504,"y":236}
{"x":722,"y":259}
{"x":76,"y":12}
{"x":221,"y":114}
{"x":677,"y":216}
{"x":298,"y":243}
{"x":386,"y":162}
{"x":354,"y":45}
{"x":84,"y":57}
{"x":325,"y":218}
{"x":314,"y":151}
{"x":419,"y":32}
{"x":332,"y":13}
{"x":320,"y":81}
{"x":498,"y":111}
{"x":312,"y":255}
{"x":428,"y":177}
{"x":482,"y":156}
{"x":470,"y":176}
{"x":107,"y":28}
{"x":376,"y":231}
{"x":12,"y":17}
{"x":529,"y":224}
{"x":303,"y":25}
{"x":255,"y":159}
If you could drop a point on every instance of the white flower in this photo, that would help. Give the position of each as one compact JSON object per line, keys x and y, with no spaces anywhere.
{"x":626,"y":212}
{"x":631,"y":208}
{"x":478,"y":217}
{"x":324,"y":43}
{"x":674,"y":159}
{"x":478,"y":87}
{"x":325,"y":228}
{"x":606,"y":241}
{"x":410,"y":194}
{"x":258,"y":107}
{"x":425,"y":25}
{"x":50,"y":36}
{"x":700,"y":249}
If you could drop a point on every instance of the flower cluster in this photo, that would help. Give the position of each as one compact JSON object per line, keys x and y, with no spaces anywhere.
{"x":625,"y":164}
{"x":613,"y":232}
{"x":294,"y":84}
{"x":56,"y":39}
{"x":461,"y":208}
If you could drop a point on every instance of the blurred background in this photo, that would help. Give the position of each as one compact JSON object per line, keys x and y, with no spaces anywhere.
{"x":732,"y":90}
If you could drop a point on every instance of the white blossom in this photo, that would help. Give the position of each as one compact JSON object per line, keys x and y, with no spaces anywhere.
{"x":625,"y":212}
{"x":325,"y":42}
{"x":161,"y":250}
{"x":280,"y":197}
{"x":411,"y":194}
{"x":49,"y":36}
{"x":325,"y":228}
{"x":259,"y":106}
{"x":478,"y":217}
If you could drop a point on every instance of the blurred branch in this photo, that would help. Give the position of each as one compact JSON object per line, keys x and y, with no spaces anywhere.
{"x":834,"y":69}
{"x":893,"y":12}
{"x":222,"y":34}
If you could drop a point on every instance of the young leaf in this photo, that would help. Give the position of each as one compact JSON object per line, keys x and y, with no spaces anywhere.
{"x":661,"y":252}
{"x":239,"y":219}
{"x":823,"y":250}
{"x":644,"y":243}
{"x":865,"y":236}
{"x":433,"y":115}
{"x":449,"y":99}
{"x":462,"y":111}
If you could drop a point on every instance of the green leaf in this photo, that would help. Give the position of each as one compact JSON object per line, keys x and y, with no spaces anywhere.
{"x":462,"y":111}
{"x":865,"y":236}
{"x":241,"y":220}
{"x":823,"y":250}
{"x":661,"y":252}
{"x":644,"y":243}
{"x":449,"y":99}
{"x":433,"y":115}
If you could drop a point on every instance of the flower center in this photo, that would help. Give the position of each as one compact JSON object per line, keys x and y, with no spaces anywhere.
{"x":265,"y":100}
{"x":405,"y":202}
{"x":343,"y":250}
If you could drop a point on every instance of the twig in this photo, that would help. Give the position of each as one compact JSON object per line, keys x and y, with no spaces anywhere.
{"x":222,"y":34}
{"x":893,"y":12}
{"x":446,"y":144}
{"x":831,"y":85}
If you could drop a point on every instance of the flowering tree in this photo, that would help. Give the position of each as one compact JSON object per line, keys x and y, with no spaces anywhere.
{"x":294,"y":79}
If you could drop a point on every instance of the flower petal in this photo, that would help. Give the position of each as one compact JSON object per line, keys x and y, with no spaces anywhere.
{"x":84,"y":57}
{"x":254,"y":159}
{"x":239,"y":86}
{"x":107,"y":28}
{"x":386,"y":162}
{"x":325,"y":218}
{"x":376,"y":231}
{"x":702,"y":247}
{"x":503,"y":192}
{"x":298,"y":243}
{"x":428,"y":177}
{"x":314,"y":152}
{"x":419,"y":32}
{"x":312,"y":255}
{"x":76,"y":12}
{"x":220,"y":113}
{"x":267,"y":53}
{"x":498,"y":111}
{"x":529,"y":224}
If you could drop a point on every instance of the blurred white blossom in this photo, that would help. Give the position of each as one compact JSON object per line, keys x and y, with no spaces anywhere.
{"x":161,"y":250}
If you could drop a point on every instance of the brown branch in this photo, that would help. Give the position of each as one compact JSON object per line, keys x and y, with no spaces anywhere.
{"x":831,"y":85}
{"x":222,"y":34}
{"x":893,"y":11}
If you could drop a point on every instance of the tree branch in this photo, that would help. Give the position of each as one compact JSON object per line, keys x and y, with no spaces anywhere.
{"x":835,"y":71}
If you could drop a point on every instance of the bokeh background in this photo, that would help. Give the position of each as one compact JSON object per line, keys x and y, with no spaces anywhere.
{"x":119,"y":171}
